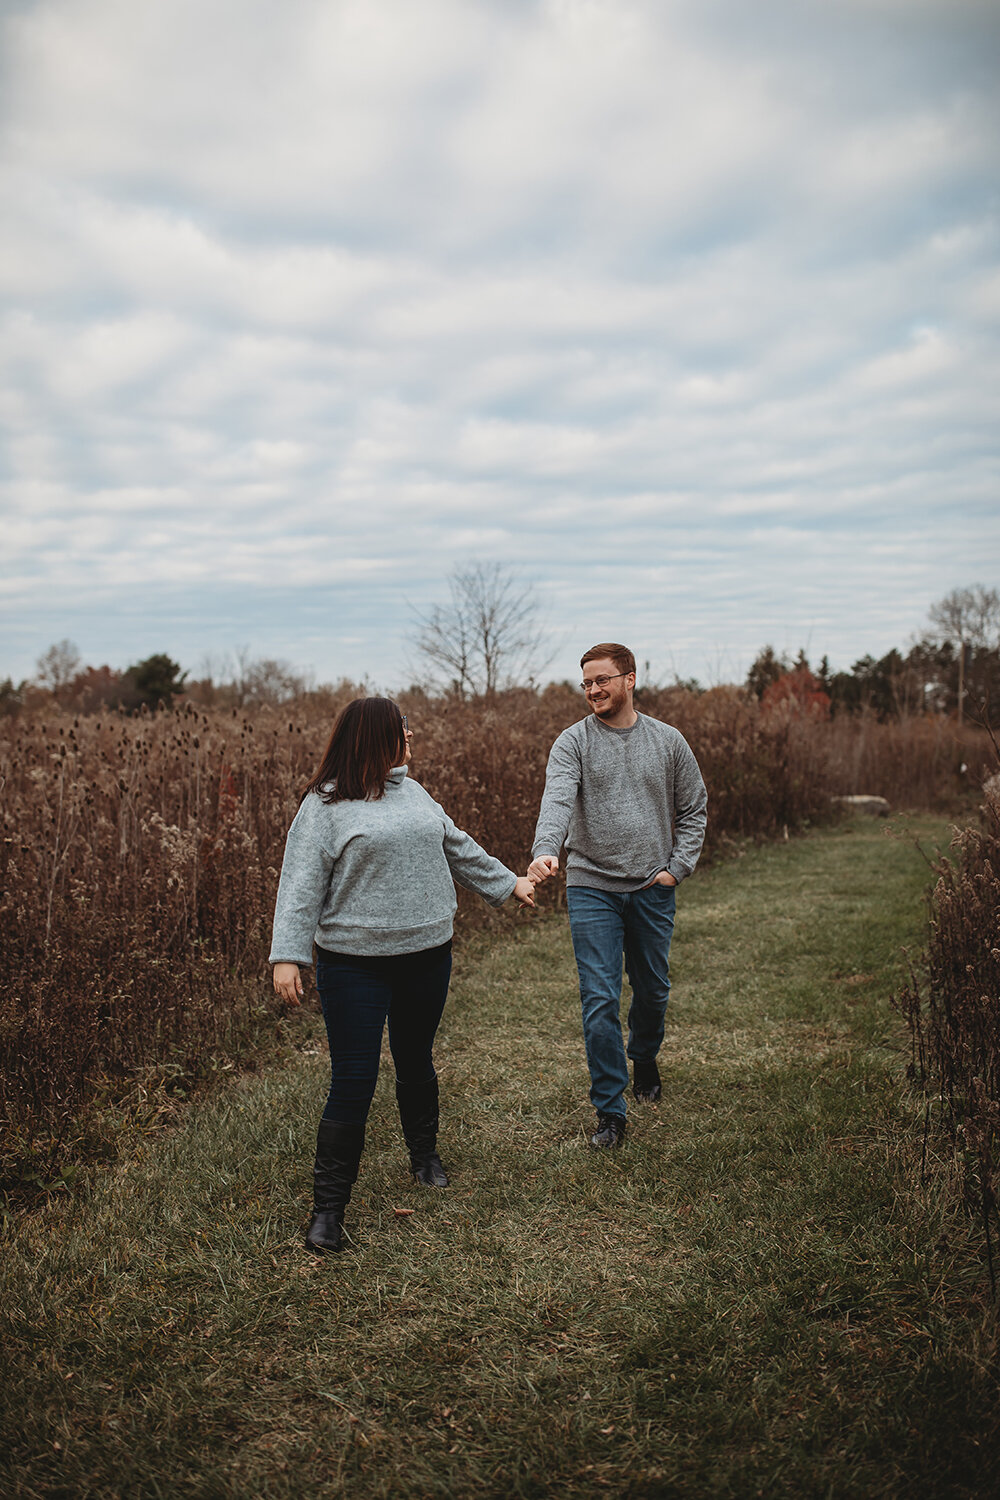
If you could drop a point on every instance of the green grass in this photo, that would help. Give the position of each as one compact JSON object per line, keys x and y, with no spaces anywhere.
{"x":757,"y":1295}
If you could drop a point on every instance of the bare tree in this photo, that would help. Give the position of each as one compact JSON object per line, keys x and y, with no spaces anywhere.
{"x":488,"y":635}
{"x":58,"y":666}
{"x":268,"y":681}
{"x":244,"y":680}
{"x":967,"y":617}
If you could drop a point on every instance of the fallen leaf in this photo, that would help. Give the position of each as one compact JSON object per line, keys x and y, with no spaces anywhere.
{"x":402,"y":1213}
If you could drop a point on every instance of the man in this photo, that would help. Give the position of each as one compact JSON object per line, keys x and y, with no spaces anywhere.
{"x":624,"y":793}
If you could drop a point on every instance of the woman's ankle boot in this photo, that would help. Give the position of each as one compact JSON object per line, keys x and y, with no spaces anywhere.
{"x":418,"y":1113}
{"x":338,"y":1155}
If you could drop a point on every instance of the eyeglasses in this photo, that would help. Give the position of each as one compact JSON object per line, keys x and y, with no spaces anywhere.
{"x":406,"y":722}
{"x":599,"y":682}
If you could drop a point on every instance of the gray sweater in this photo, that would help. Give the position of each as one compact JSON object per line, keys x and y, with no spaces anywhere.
{"x":626,"y":802}
{"x":377,"y":877}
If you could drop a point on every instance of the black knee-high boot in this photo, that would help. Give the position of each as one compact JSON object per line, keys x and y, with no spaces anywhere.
{"x":418,"y":1113}
{"x":338,"y":1155}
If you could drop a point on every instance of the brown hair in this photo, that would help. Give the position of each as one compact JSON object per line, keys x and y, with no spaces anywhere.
{"x":367,"y":741}
{"x":620,"y":655}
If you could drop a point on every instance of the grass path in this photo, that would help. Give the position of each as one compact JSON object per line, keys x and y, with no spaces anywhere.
{"x":755,"y":1296}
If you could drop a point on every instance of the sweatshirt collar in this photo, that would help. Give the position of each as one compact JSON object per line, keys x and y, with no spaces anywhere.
{"x":397,"y":775}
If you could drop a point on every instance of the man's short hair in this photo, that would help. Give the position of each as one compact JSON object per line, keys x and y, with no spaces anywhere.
{"x":620,"y":655}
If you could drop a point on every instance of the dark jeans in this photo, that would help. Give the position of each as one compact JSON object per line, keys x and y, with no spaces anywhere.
{"x":358,"y":995}
{"x":605,"y":927}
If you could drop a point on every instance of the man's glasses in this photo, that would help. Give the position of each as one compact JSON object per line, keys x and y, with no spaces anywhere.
{"x":599,"y":682}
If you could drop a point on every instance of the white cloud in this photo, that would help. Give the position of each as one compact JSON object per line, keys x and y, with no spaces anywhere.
{"x":689,"y":311}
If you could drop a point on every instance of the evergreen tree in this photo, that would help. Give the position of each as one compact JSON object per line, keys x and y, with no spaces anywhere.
{"x":766,"y":669}
{"x":151,"y":682}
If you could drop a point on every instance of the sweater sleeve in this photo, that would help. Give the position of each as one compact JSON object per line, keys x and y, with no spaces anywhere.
{"x":562,"y":787}
{"x":690,"y":812}
{"x":473,"y":868}
{"x":305,"y":878}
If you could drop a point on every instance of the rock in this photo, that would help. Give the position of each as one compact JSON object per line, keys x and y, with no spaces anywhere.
{"x":875,"y":807}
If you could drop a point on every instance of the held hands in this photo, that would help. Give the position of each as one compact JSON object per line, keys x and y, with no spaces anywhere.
{"x":541,"y":868}
{"x":288,"y":983}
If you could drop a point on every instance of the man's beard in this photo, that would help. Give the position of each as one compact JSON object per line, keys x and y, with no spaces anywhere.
{"x":612,"y":706}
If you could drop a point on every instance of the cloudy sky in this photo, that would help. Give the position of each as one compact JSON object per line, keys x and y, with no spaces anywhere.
{"x":686,"y":311}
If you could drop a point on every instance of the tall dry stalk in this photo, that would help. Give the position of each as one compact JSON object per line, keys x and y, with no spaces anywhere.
{"x":952,"y":1008}
{"x":139,"y":856}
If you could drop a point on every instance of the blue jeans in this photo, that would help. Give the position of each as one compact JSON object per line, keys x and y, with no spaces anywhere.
{"x":606,"y":926}
{"x":358,"y":995}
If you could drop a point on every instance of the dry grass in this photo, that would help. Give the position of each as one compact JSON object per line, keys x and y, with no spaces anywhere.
{"x":139,"y":861}
{"x":952,"y":1008}
{"x":755,"y":1296}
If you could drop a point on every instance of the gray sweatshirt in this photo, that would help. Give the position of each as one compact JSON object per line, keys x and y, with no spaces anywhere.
{"x":377,"y":877}
{"x":626,"y":802}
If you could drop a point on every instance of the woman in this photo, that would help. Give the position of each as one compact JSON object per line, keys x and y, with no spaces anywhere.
{"x":368,"y":876}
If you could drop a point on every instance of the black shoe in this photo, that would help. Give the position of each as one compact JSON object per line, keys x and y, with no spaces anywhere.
{"x":418,"y":1114}
{"x":429,"y":1170}
{"x":338,"y":1155}
{"x":326,"y":1231}
{"x":610,"y":1131}
{"x":646,"y":1082}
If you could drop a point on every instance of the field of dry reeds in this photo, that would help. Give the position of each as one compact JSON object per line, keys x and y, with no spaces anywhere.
{"x":139,"y":860}
{"x":952,"y":1008}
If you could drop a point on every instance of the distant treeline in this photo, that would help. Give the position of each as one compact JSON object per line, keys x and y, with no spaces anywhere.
{"x":927,"y":680}
{"x":932,"y":678}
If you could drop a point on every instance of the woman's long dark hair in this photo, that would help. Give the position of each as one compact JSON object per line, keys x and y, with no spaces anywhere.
{"x":367,"y":741}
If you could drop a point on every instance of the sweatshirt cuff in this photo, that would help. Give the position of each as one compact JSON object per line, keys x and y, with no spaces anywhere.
{"x":509,"y":892}
{"x":538,"y":850}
